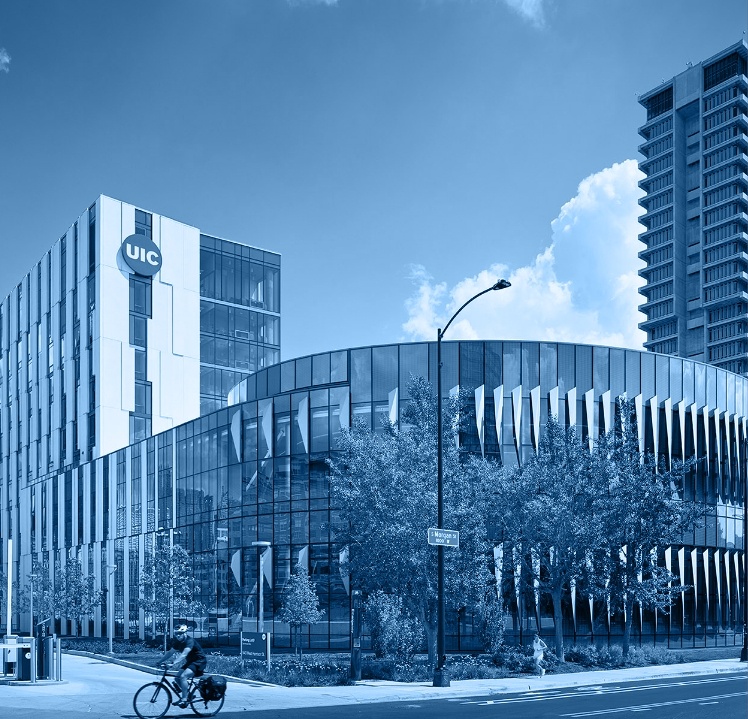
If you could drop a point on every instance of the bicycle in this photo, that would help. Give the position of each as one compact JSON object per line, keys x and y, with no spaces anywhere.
{"x":154,"y":699}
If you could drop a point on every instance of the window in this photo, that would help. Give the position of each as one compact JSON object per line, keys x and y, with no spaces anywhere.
{"x":660,"y":103}
{"x":138,"y":331}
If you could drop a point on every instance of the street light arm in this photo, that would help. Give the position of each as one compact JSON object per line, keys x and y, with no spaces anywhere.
{"x":500,"y":285}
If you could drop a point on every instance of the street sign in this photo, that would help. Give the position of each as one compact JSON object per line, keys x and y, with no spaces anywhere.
{"x":444,"y":537}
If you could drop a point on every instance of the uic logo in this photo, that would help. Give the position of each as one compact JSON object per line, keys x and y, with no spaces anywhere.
{"x":141,"y":255}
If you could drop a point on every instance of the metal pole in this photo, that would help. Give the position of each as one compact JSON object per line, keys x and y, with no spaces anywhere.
{"x":261,"y":607}
{"x":111,"y":568}
{"x":744,"y":651}
{"x":441,"y":678}
{"x":9,"y":602}
{"x":31,"y":605}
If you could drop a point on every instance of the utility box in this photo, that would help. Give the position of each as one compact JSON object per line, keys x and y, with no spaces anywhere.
{"x":23,"y":667}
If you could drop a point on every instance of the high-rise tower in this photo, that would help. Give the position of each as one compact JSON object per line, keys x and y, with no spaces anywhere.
{"x":696,"y":212}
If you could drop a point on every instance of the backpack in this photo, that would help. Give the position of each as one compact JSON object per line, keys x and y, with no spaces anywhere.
{"x":213,"y":688}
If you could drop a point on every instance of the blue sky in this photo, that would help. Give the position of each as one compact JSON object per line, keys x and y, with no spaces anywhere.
{"x":400,"y":154}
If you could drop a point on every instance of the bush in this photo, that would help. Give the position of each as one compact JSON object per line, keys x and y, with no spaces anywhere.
{"x":286,"y":670}
{"x":516,"y":660}
{"x":394,"y":634}
{"x":475,"y":667}
{"x":394,"y":671}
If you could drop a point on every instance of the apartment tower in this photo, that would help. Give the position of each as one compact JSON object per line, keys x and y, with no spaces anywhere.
{"x":696,"y":212}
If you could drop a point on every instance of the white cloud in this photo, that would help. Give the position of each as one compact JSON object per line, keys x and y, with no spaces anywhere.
{"x":531,"y":10}
{"x":312,"y":2}
{"x":4,"y":60}
{"x":581,"y":288}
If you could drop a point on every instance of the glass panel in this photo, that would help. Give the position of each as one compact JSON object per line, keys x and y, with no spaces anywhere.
{"x":414,"y":361}
{"x":303,"y":372}
{"x":338,"y":366}
{"x":321,"y":369}
{"x":384,"y":363}
{"x":361,"y":375}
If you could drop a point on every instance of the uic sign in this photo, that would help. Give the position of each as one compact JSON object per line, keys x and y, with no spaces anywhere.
{"x":141,"y":255}
{"x":443,"y":537}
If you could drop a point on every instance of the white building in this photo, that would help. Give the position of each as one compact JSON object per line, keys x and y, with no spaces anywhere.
{"x":132,"y":323}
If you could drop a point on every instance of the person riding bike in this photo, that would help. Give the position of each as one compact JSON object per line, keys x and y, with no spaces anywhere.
{"x":190,"y":655}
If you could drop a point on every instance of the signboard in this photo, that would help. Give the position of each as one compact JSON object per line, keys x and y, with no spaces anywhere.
{"x":141,"y":255}
{"x":255,"y":645}
{"x":443,"y":537}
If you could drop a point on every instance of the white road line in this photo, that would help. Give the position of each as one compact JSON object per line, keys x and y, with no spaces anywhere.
{"x":656,"y":705}
{"x":578,"y":692}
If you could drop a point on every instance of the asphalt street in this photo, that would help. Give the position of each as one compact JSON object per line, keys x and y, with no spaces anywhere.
{"x":100,"y":689}
{"x":681,"y":698}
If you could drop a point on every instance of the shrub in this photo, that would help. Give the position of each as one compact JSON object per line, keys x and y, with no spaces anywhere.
{"x":394,"y":633}
{"x":475,"y":667}
{"x":286,"y":670}
{"x":515,"y":660}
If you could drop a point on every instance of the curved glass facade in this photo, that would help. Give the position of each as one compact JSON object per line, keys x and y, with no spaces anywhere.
{"x":256,"y":471}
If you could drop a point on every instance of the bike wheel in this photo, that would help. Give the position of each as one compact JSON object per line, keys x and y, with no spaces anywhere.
{"x":206,"y":707}
{"x":151,"y":701}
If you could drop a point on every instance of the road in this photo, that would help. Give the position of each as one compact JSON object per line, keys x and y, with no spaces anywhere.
{"x":723,"y":695}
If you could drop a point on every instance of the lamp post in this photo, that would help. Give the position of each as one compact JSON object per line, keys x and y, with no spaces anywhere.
{"x":261,"y":582}
{"x":32,"y":577}
{"x":744,"y":650}
{"x":441,"y":678}
{"x":111,"y":569}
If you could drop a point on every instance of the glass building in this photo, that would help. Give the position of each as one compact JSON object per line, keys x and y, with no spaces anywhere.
{"x":696,"y":212}
{"x":256,"y":470}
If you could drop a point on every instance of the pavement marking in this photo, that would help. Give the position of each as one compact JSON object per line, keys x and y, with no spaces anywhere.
{"x":575,"y":693}
{"x":656,"y":705}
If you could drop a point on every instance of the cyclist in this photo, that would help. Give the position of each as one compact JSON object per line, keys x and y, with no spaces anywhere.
{"x":190,"y":655}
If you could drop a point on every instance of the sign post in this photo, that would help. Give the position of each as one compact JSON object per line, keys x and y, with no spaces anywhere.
{"x":443,"y":537}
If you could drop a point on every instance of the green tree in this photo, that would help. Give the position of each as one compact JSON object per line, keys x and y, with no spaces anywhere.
{"x":76,"y":593}
{"x":384,"y":484}
{"x":167,"y":587}
{"x":641,"y":513}
{"x":545,"y":512}
{"x":300,"y":604}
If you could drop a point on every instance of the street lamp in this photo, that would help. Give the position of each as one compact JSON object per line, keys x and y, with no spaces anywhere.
{"x":111,"y":568}
{"x":261,"y":608}
{"x":744,"y":651}
{"x":441,"y":678}
{"x":32,"y":577}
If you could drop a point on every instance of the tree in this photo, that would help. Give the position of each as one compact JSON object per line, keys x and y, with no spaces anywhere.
{"x":300,"y":604}
{"x":76,"y":592}
{"x":545,"y":511}
{"x":642,"y":512}
{"x":384,"y":484}
{"x":167,"y":587}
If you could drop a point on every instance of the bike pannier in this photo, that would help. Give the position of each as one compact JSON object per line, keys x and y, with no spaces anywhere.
{"x":212,"y":688}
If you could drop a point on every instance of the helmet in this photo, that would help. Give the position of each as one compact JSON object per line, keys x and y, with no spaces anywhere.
{"x":180,"y":629}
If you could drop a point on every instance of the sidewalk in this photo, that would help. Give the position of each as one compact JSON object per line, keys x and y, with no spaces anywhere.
{"x":101,"y":689}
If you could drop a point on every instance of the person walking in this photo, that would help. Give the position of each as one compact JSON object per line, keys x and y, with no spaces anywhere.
{"x":190,"y":655}
{"x":538,"y":647}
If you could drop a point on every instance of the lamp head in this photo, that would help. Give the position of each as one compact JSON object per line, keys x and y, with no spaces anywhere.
{"x":502,"y":285}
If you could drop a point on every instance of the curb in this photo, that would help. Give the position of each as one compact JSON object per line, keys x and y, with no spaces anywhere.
{"x":153,"y":670}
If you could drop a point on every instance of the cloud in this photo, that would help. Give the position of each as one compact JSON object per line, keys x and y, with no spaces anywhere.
{"x":531,"y":10}
{"x":581,"y":288}
{"x":298,"y":3}
{"x":4,"y":60}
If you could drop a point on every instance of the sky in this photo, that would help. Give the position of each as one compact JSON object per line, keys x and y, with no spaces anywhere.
{"x":401,"y":155}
